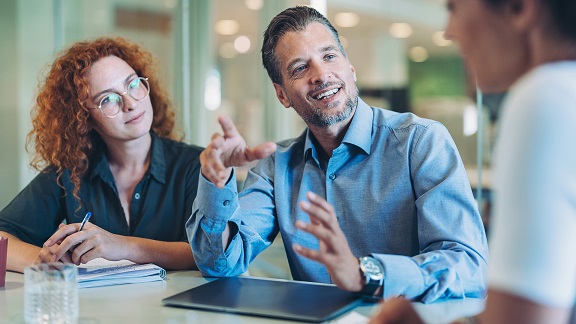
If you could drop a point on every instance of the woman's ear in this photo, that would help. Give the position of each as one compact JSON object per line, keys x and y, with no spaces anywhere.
{"x":524,"y":14}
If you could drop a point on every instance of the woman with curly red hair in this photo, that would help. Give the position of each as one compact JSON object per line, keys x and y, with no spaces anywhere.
{"x":104,"y":141}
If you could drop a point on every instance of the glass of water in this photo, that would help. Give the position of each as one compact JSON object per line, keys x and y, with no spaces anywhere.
{"x":51,"y":293}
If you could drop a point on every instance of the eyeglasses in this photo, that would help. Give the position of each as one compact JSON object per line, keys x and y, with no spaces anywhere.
{"x":112,"y":103}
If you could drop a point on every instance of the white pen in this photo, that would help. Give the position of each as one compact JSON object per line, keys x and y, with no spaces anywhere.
{"x":85,"y":220}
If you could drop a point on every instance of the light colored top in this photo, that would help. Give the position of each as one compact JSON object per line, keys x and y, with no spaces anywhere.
{"x":399,"y":190}
{"x":532,"y":246}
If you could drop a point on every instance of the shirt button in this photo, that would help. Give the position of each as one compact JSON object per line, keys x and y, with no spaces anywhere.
{"x":137,"y":196}
{"x":332,"y":176}
{"x":226,"y":202}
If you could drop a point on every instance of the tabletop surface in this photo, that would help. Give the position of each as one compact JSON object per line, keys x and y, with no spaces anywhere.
{"x":142,"y":303}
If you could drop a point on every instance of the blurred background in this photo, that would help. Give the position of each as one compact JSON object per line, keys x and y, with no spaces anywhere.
{"x":209,"y":51}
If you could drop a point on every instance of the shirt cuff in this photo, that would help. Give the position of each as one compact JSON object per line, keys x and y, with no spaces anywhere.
{"x":214,"y":203}
{"x":402,"y":276}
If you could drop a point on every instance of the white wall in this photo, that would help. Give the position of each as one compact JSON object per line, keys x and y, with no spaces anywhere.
{"x":9,"y":103}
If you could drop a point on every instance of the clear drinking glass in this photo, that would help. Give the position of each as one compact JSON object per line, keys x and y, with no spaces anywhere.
{"x":51,"y":293}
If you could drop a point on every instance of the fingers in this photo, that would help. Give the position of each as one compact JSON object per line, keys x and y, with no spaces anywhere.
{"x":71,"y":243}
{"x":218,"y":157}
{"x":309,"y":253}
{"x":261,"y":151}
{"x":62,"y":232}
{"x":80,"y":253}
{"x":52,"y":254}
{"x":396,"y":310}
{"x":46,"y":254}
{"x":213,"y":168}
{"x":66,"y":258}
{"x":323,"y":222}
{"x":228,"y":126}
{"x":319,"y":210}
{"x":319,"y":231}
{"x":229,"y":150}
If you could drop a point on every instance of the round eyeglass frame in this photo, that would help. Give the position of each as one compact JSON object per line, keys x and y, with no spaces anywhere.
{"x":144,"y":80}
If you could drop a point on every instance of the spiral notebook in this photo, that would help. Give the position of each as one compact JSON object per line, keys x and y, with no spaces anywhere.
{"x":294,"y":300}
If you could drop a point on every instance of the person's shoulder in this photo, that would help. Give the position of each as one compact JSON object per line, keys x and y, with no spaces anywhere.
{"x":291,"y":143}
{"x":400,"y":121}
{"x":548,"y":77}
{"x":547,"y":90}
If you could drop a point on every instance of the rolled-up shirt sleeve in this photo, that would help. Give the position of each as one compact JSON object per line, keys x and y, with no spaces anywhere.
{"x":214,"y":209}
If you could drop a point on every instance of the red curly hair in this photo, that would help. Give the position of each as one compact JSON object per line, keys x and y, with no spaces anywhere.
{"x":62,"y":132}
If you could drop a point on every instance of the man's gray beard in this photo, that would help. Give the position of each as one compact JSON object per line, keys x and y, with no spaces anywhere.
{"x":318,"y":118}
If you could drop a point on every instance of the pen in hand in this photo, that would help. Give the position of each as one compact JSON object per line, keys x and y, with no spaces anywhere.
{"x":85,"y":220}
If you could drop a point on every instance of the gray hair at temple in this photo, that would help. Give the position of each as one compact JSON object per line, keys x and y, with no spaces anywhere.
{"x":291,"y":19}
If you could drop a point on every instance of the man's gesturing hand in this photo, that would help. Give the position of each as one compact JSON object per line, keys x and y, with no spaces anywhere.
{"x":334,"y":250}
{"x":229,"y":150}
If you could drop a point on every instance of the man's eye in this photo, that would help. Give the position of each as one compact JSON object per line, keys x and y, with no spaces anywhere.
{"x":329,"y":56}
{"x":298,"y":69}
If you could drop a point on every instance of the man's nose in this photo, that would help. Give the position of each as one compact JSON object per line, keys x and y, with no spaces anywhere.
{"x":320,"y":73}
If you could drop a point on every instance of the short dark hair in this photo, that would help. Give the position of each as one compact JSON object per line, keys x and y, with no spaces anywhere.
{"x":562,"y":14}
{"x":292,"y":19}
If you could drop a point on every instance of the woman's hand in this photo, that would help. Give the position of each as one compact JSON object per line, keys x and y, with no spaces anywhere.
{"x":396,"y":311}
{"x":68,"y":244}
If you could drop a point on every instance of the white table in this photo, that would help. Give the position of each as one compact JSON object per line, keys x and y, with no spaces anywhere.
{"x":141,"y":303}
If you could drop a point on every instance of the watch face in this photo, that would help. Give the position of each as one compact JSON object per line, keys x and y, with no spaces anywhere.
{"x":372,"y":268}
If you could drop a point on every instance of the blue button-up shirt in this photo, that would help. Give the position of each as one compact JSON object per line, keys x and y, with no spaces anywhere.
{"x":399,"y":190}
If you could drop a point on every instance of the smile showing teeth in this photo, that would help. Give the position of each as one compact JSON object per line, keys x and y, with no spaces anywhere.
{"x":326,"y":94}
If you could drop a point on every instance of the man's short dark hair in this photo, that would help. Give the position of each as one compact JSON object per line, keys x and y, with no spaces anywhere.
{"x":292,"y":19}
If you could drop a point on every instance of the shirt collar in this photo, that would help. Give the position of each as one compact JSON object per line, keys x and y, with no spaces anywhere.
{"x":157,"y":159}
{"x":157,"y":168}
{"x":359,"y":133}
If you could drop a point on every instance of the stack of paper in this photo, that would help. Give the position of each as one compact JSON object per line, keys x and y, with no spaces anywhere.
{"x":101,"y":272}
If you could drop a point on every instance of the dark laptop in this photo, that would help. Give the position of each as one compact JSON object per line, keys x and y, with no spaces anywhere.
{"x":294,"y":300}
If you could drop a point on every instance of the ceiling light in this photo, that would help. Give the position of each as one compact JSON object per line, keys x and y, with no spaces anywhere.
{"x":254,"y":4}
{"x":213,"y":90}
{"x":418,"y":54}
{"x":400,"y":30}
{"x":346,"y":19}
{"x":227,"y":27}
{"x":242,"y":44}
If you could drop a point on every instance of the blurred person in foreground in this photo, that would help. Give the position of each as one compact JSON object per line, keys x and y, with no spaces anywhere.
{"x":369,"y":199}
{"x":104,"y":141}
{"x":529,"y":48}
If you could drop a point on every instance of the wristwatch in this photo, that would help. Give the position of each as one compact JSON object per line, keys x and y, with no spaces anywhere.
{"x":373,"y":273}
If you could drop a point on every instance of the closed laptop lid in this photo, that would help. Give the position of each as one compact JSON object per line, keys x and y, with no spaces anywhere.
{"x":296,"y":300}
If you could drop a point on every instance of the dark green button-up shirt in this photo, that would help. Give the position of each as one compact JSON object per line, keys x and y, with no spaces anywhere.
{"x":160,"y":206}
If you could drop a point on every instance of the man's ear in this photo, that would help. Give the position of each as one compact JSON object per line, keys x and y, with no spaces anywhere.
{"x":353,"y":72}
{"x":282,"y":95}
